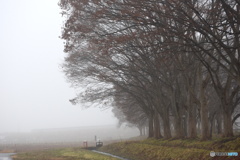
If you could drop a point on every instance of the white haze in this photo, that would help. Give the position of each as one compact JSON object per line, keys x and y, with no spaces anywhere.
{"x":34,"y":93}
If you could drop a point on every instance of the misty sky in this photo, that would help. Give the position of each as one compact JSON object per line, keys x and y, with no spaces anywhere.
{"x":34,"y":93}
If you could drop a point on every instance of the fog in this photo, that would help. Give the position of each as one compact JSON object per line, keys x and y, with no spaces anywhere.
{"x":33,"y":90}
{"x":69,"y":135}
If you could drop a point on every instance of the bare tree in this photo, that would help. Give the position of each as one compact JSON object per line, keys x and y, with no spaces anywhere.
{"x":168,"y":57}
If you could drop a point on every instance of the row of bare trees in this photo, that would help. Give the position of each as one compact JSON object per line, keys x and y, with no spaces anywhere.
{"x":172,"y":64}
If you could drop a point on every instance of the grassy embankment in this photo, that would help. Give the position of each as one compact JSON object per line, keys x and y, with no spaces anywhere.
{"x":149,"y":149}
{"x":152,"y":149}
{"x":62,"y":154}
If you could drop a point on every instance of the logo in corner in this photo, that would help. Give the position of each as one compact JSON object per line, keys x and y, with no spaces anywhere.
{"x":212,"y":154}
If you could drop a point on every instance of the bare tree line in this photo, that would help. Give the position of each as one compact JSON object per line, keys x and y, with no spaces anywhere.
{"x":172,"y":64}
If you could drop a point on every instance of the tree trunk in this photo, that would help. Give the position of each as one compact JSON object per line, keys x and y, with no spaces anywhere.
{"x":204,"y":119}
{"x":178,"y":127}
{"x":184,"y":126}
{"x":140,"y":130}
{"x":144,"y":131}
{"x":177,"y":117}
{"x":203,"y":107}
{"x":150,"y":127}
{"x":157,"y":133}
{"x":166,"y":126}
{"x":214,"y":126}
{"x":198,"y":126}
{"x":211,"y":124}
{"x":227,"y":124}
{"x":219,"y":124}
{"x":192,"y":122}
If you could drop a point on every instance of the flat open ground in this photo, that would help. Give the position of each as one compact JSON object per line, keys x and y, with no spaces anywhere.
{"x":62,"y":154}
{"x":148,"y":149}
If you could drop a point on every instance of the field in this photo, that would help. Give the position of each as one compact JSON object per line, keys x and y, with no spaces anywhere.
{"x":148,"y":149}
{"x":45,"y":146}
{"x":62,"y":154}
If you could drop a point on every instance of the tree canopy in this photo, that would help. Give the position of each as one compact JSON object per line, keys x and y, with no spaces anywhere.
{"x":173,"y":64}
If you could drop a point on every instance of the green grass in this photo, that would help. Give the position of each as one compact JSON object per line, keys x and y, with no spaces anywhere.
{"x":62,"y":154}
{"x":188,"y":149}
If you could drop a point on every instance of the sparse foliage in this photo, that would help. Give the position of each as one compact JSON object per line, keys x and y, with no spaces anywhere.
{"x":172,"y":63}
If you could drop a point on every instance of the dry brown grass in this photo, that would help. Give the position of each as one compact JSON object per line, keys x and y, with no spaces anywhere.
{"x":7,"y":151}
